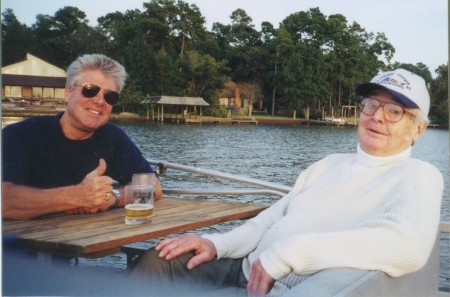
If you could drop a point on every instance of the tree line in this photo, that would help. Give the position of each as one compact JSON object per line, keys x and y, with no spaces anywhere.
{"x":310,"y":61}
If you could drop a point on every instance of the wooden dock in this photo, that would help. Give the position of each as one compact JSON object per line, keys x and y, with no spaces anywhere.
{"x":210,"y":120}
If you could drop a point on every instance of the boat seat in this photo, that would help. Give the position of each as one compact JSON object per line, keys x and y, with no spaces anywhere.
{"x":349,"y":282}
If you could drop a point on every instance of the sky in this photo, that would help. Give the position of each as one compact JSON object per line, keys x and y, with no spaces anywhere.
{"x":417,"y":29}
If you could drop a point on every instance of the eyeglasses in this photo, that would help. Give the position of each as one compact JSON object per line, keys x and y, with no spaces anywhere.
{"x":90,"y":91}
{"x":392,"y":112}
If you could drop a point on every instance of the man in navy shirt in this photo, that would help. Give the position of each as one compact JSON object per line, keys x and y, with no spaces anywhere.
{"x":68,"y":162}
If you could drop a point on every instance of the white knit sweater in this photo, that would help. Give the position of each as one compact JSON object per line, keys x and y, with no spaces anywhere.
{"x":346,"y":210}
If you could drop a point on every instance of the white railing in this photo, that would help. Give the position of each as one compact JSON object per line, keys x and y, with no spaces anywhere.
{"x":271,"y":188}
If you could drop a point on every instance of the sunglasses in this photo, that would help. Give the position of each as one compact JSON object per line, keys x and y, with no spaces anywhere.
{"x":90,"y":91}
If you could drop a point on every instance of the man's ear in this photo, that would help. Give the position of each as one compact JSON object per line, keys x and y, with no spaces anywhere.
{"x":66,"y":94}
{"x":420,"y":129}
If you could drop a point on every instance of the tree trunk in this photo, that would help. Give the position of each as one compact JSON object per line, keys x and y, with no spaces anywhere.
{"x":306,"y":110}
{"x":274,"y":87}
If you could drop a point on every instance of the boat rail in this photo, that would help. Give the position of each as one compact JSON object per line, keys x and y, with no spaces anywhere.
{"x":269,"y":188}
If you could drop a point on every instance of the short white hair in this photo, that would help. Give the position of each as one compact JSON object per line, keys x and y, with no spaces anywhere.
{"x":108,"y":66}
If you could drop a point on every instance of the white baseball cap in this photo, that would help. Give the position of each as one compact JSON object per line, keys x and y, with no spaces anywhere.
{"x":407,"y":87}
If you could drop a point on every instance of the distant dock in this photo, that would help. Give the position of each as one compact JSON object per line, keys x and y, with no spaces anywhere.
{"x":208,"y":120}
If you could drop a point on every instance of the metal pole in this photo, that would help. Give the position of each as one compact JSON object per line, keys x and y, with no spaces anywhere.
{"x":215,"y":173}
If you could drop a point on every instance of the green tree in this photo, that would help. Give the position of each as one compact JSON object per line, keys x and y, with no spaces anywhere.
{"x":243,"y":32}
{"x":439,"y":97}
{"x":17,"y":38}
{"x":304,"y":72}
{"x":205,"y":75}
{"x":241,"y":43}
{"x":65,"y":36}
{"x":420,"y":69}
{"x":130,"y":98}
{"x":347,"y":59}
{"x":129,"y":41}
{"x":222,"y":37}
{"x":304,"y":79}
{"x":188,"y":27}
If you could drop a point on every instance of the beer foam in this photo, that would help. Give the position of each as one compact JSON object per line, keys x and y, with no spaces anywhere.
{"x":138,"y":206}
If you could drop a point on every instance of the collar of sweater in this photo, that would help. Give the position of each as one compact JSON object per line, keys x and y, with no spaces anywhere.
{"x":372,"y":161}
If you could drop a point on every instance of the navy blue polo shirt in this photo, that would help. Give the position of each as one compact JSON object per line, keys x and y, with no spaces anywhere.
{"x":36,"y":153}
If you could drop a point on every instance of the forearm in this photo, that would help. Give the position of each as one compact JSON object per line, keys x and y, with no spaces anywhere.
{"x":23,"y":202}
{"x":240,"y":241}
{"x":365,"y":249}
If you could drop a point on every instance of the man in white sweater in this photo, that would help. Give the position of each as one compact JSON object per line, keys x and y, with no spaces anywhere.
{"x":378,"y":209}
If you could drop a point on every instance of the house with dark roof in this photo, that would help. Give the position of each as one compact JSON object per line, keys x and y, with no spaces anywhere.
{"x":241,"y":97}
{"x":34,"y":81}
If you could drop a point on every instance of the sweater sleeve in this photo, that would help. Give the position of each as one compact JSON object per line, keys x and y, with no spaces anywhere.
{"x":242,"y":240}
{"x":397,"y":241}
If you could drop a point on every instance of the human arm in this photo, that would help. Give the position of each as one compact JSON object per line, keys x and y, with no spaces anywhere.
{"x":121,"y":203}
{"x":23,"y":202}
{"x":205,"y":247}
{"x":394,"y":236}
{"x":242,"y":240}
{"x":158,"y":190}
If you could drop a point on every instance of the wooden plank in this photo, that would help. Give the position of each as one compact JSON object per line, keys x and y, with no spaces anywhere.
{"x":444,"y":227}
{"x":186,"y":219}
{"x":106,"y":232}
{"x":98,"y":225}
{"x":158,"y":229}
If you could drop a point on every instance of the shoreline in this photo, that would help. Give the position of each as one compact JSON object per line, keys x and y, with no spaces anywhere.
{"x":255,"y":120}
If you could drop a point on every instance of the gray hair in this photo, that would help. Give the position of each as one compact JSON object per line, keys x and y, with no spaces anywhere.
{"x":108,"y":66}
{"x":420,"y":117}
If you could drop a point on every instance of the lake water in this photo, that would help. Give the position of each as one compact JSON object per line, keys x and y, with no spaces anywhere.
{"x":275,"y":153}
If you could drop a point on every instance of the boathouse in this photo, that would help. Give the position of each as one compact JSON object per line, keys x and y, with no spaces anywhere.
{"x":174,"y":107}
{"x":33,"y":81}
{"x":344,"y":115}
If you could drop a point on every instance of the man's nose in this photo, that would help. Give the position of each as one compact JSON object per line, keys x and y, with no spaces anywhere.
{"x":99,"y":98}
{"x":379,"y":113}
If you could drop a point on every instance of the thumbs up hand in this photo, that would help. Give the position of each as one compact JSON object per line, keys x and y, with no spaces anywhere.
{"x":94,"y":191}
{"x":99,"y":171}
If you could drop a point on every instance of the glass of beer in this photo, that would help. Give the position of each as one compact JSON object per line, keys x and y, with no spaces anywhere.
{"x":141,"y":179}
{"x":139,"y":203}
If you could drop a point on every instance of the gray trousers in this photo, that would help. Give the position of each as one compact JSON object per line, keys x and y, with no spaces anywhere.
{"x":222,"y":277}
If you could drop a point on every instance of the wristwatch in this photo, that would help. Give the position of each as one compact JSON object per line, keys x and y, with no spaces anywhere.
{"x":116,"y":193}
